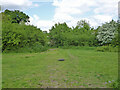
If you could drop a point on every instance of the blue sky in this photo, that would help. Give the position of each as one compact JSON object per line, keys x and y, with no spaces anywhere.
{"x":45,"y":13}
{"x":45,"y":10}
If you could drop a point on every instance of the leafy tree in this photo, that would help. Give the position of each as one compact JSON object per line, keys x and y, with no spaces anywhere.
{"x":107,"y":32}
{"x":83,"y":24}
{"x":85,"y":34}
{"x":16,"y":36}
{"x":56,"y":34}
{"x":81,"y":35}
{"x":15,"y":16}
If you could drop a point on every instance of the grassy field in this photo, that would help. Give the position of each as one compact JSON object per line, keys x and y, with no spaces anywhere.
{"x":82,"y":68}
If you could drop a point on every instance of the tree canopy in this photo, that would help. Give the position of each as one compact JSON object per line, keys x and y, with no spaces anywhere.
{"x":15,"y":16}
{"x":107,"y":32}
{"x":16,"y":34}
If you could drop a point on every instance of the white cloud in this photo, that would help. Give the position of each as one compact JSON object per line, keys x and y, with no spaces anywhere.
{"x":36,"y":5}
{"x":66,"y":10}
{"x":62,"y":17}
{"x":44,"y":25}
{"x":41,"y":0}
{"x":102,"y":18}
{"x":106,"y":7}
{"x":72,"y":6}
{"x":97,"y":20}
{"x":94,"y":11}
{"x":16,"y":4}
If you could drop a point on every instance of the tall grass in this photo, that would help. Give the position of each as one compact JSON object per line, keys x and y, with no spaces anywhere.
{"x":28,"y":49}
{"x":108,"y":48}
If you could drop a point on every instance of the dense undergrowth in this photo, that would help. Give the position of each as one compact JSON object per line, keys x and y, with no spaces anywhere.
{"x":19,"y":36}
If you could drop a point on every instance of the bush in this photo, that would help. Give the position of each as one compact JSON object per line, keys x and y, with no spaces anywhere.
{"x":17,"y":36}
{"x":37,"y":47}
{"x":108,"y":48}
{"x":114,"y":84}
{"x":78,"y":47}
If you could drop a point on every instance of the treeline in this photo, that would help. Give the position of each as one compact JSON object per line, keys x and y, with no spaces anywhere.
{"x":19,"y":37}
{"x":81,"y":35}
{"x":84,"y":35}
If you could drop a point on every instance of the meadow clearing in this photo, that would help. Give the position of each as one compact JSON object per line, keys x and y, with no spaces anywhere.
{"x":82,"y":68}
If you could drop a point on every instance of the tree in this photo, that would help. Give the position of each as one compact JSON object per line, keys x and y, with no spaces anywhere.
{"x":83,"y":24}
{"x":16,"y":16}
{"x":16,"y":36}
{"x":81,"y":35}
{"x":57,"y":34}
{"x":107,"y":32}
{"x":85,"y":35}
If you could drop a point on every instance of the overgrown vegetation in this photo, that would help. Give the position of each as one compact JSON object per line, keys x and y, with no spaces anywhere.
{"x":81,"y":35}
{"x":86,"y":50}
{"x":105,"y":37}
{"x":18,"y":36}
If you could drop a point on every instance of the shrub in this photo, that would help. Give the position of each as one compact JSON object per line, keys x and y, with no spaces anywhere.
{"x":114,"y":84}
{"x":37,"y":47}
{"x":17,"y":36}
{"x":108,"y":48}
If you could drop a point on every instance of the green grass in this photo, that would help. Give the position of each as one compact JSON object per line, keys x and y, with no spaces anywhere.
{"x":82,"y":68}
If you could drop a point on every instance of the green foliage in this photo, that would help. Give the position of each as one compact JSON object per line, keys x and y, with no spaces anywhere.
{"x":78,"y":47}
{"x":83,"y":24}
{"x":81,"y":35}
{"x":114,"y":84}
{"x":15,"y":16}
{"x":107,"y":32}
{"x":57,"y":34}
{"x":17,"y":36}
{"x":107,"y":48}
{"x":37,"y":47}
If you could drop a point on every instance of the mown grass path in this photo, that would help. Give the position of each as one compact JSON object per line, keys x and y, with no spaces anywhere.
{"x":81,"y":69}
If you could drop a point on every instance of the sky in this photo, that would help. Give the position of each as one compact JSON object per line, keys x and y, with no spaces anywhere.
{"x":45,"y":13}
